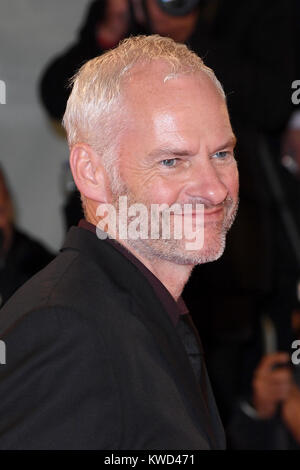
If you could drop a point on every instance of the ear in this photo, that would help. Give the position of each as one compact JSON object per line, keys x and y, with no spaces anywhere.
{"x":89,"y":174}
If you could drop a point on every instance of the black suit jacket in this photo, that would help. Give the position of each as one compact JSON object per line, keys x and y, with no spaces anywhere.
{"x":93,"y":361}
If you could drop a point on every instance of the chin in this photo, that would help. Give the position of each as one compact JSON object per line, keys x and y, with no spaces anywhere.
{"x":205,"y":255}
{"x":175,"y":251}
{"x":212,"y":250}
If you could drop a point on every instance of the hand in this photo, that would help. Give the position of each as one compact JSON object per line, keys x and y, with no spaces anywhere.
{"x":115,"y":25}
{"x":271,"y":386}
{"x":291,"y":147}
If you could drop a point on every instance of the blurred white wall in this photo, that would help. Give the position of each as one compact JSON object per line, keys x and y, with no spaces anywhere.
{"x":31,"y":33}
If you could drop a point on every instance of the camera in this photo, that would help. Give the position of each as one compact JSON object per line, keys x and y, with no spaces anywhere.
{"x":178,"y":7}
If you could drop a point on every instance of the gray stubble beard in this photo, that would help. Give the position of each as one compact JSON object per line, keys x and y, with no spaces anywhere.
{"x":172,"y":250}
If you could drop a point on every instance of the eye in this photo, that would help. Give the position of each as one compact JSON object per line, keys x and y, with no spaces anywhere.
{"x":170,"y":162}
{"x":221,"y":155}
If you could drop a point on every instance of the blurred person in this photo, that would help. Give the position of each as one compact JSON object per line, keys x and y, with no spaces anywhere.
{"x":20,"y":256}
{"x":6,"y":215}
{"x":291,"y":137}
{"x":110,"y":354}
{"x":291,"y":144}
{"x":105,"y":24}
{"x":115,"y":24}
{"x":271,"y":421}
{"x":239,"y":39}
{"x":268,"y":416}
{"x":177,"y":20}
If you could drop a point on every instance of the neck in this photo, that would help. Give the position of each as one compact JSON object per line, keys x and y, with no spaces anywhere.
{"x":173,"y":276}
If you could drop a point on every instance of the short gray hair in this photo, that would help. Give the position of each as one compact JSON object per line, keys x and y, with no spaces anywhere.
{"x":93,"y":102}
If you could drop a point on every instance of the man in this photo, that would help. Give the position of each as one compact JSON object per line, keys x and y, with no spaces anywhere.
{"x":240,"y":42}
{"x":20,"y":255}
{"x":100,"y":350}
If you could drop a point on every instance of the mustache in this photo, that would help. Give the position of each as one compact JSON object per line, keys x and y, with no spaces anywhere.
{"x":227,"y":203}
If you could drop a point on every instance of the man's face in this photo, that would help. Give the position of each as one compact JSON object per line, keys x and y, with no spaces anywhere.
{"x":178,"y":148}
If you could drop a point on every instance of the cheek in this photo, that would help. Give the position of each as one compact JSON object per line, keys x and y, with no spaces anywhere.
{"x":149,"y":187}
{"x":160,"y":191}
{"x":231,"y":181}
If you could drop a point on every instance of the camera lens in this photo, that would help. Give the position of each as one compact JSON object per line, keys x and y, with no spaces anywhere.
{"x":177,"y":7}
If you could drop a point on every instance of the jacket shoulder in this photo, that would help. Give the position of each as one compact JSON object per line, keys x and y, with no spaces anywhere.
{"x":71,"y":281}
{"x":49,"y":389}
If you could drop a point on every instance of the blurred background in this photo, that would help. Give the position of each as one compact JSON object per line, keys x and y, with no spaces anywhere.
{"x":31,"y":32}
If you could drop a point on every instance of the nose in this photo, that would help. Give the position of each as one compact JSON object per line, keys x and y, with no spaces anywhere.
{"x":206,"y":183}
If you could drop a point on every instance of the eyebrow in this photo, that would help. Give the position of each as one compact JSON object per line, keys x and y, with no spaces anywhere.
{"x":230,"y":143}
{"x":170,"y":151}
{"x":173,"y":151}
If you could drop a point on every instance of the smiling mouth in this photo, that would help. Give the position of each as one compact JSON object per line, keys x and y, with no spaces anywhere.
{"x":205,"y":213}
{"x":202,"y":218}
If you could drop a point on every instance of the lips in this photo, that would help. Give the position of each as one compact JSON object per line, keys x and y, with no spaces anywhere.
{"x":206,"y":213}
{"x":213,"y":212}
{"x":206,"y":217}
{"x":209,"y":215}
